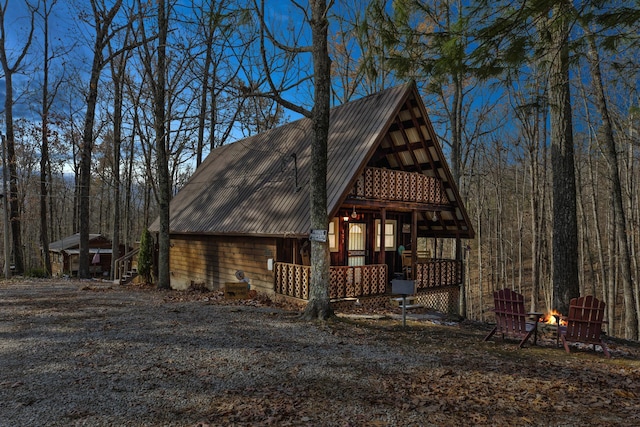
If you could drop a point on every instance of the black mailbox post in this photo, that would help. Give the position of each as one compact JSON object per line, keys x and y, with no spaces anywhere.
{"x":404,"y":288}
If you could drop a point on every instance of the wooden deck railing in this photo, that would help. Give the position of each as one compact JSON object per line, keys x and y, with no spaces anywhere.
{"x":438,"y":272}
{"x":353,"y":282}
{"x":292,"y":280}
{"x":387,"y":184}
{"x":345,"y":281}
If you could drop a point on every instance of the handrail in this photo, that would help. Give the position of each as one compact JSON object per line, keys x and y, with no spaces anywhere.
{"x":123,"y":264}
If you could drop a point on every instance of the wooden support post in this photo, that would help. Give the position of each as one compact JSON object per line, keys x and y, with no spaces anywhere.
{"x":462,"y":308}
{"x":383,"y":218}
{"x":414,"y":242}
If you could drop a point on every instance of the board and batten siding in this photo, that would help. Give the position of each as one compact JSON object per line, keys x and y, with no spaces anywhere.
{"x":213,"y":260}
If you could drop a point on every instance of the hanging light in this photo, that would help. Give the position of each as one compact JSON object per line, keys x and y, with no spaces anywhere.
{"x":354,"y":214}
{"x":434,"y":218}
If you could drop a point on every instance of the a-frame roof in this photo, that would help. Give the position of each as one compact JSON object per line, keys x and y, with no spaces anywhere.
{"x":259,"y":186}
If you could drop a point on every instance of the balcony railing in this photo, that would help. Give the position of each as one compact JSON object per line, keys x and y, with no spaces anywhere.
{"x":387,"y":184}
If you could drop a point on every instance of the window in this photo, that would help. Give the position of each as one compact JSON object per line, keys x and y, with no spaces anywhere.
{"x":390,"y":226}
{"x":423,"y":251}
{"x":333,"y":235}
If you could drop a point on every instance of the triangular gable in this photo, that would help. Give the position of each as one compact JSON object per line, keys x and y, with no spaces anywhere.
{"x":260,"y":185}
{"x":409,"y":143}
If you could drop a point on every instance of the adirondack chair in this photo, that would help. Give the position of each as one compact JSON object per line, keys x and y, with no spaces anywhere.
{"x":584,"y":323}
{"x":511,"y":319}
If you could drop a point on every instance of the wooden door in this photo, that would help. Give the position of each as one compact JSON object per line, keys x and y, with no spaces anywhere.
{"x":356,"y":243}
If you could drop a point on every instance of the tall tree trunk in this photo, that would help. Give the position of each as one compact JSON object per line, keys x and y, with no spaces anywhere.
{"x":621,"y":231}
{"x":204,"y":94}
{"x":118,"y":70}
{"x":128,"y":240}
{"x":537,"y":201}
{"x":117,"y":73}
{"x":565,"y":229}
{"x":586,"y":238}
{"x":479,"y":236}
{"x":44,"y":149}
{"x":9,"y":70}
{"x":610,"y":281}
{"x":596,"y":227}
{"x":102,"y":21}
{"x":84,"y":183}
{"x":319,"y":306}
{"x":159,"y":121}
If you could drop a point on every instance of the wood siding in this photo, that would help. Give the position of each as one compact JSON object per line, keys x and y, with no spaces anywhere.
{"x":213,"y":260}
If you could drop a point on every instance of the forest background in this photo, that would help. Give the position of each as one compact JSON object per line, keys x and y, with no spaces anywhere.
{"x":79,"y":82}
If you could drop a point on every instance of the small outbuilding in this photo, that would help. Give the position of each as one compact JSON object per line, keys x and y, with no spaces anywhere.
{"x":65,"y":255}
{"x":391,"y":203}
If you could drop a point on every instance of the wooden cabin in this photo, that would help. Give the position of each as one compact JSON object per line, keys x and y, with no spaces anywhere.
{"x":391,"y":200}
{"x":65,"y":255}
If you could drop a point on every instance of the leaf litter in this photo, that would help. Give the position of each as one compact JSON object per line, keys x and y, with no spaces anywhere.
{"x":89,"y":353}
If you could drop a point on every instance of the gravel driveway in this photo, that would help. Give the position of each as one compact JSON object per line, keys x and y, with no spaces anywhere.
{"x":91,"y":354}
{"x":84,"y":353}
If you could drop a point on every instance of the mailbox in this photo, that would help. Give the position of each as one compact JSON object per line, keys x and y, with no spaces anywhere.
{"x":403,"y":287}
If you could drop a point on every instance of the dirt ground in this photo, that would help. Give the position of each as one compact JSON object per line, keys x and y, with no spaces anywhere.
{"x":85,"y":353}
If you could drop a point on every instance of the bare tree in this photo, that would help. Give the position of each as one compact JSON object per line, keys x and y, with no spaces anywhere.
{"x":103,"y":17}
{"x":319,"y":306}
{"x":10,"y":66}
{"x":49,"y":93}
{"x":157,"y":83}
{"x":530,"y":111}
{"x":610,"y":151}
{"x":216,"y":27}
{"x":118,"y":66}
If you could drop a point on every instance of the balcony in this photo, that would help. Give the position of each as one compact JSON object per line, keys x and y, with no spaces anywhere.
{"x":387,"y":184}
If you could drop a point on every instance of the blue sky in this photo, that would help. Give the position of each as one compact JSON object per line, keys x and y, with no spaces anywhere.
{"x":67,"y":30}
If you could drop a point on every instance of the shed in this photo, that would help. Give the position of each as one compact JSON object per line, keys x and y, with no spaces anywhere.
{"x":65,"y":255}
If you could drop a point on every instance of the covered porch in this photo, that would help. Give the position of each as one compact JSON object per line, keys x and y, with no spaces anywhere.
{"x":393,"y":224}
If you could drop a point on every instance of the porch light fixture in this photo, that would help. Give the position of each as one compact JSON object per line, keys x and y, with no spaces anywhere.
{"x":345,"y":218}
{"x":434,"y":218}
{"x":354,"y":214}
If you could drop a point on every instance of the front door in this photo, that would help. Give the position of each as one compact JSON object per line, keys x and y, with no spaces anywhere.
{"x":357,"y":240}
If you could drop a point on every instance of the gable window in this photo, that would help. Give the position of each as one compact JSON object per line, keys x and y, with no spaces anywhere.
{"x":390,"y":227}
{"x":332,"y":235}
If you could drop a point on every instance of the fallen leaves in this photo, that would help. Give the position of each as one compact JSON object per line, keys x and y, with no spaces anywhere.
{"x":169,"y":357}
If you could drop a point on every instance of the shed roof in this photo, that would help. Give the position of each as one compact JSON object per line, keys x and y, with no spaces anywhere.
{"x":260,"y":185}
{"x":72,"y":241}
